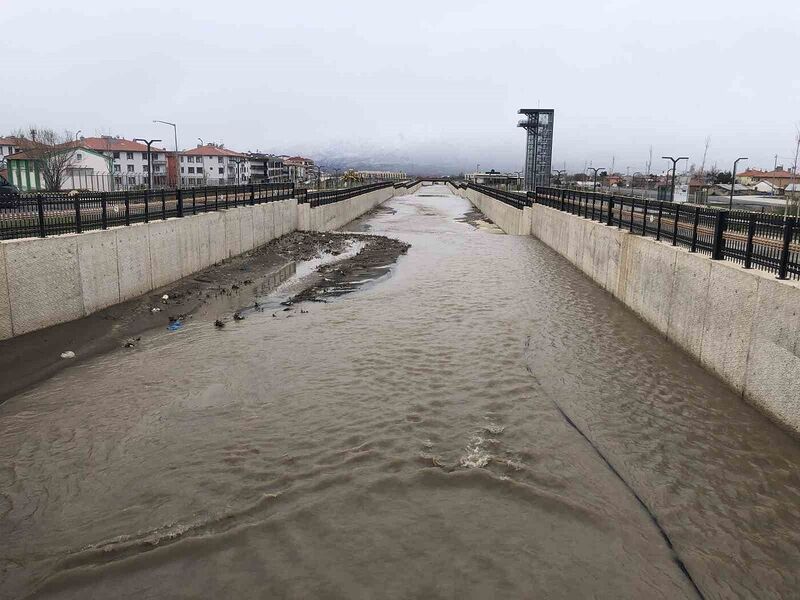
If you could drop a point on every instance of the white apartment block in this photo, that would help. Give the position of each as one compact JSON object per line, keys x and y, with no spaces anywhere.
{"x":212,"y":164}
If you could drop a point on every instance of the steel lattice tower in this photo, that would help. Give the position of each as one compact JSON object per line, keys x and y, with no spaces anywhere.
{"x":539,"y":147}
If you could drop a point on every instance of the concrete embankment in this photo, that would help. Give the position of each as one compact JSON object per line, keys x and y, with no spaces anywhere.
{"x":45,"y":281}
{"x":510,"y":219}
{"x":741,"y":324}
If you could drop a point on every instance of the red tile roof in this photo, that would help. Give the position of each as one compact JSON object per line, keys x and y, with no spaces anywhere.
{"x":114,"y":144}
{"x":210,"y":150}
{"x":755,"y":173}
{"x":14,"y":141}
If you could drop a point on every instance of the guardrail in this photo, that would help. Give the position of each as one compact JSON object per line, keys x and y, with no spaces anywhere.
{"x":44,"y":214}
{"x":324,"y":197}
{"x":754,"y":240}
{"x":516,"y":199}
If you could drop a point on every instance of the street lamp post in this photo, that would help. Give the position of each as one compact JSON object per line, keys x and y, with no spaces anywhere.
{"x":77,"y":133}
{"x":149,"y":162}
{"x":558,"y":172}
{"x":177,"y":167}
{"x":733,"y":180}
{"x":674,"y":164}
{"x":595,"y":170}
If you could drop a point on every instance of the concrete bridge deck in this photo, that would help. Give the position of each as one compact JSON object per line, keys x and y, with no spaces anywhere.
{"x":485,"y":422}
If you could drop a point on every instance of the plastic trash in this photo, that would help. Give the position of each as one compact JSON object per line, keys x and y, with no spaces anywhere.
{"x":165,"y":297}
{"x":155,"y":309}
{"x":68,"y":354}
{"x":175,"y":325}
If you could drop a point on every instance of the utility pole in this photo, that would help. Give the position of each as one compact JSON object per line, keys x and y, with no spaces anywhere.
{"x":674,"y":164}
{"x":177,"y":167}
{"x":595,"y":169}
{"x":149,"y":161}
{"x":733,"y":180}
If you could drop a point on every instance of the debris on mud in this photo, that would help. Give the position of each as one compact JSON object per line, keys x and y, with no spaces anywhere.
{"x":475,"y":218}
{"x":223,"y":288}
{"x":373,"y":261}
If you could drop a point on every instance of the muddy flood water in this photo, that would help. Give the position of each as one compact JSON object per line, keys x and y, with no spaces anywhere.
{"x":480,"y":422}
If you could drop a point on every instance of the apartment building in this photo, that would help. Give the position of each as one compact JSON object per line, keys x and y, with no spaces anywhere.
{"x":213,"y":164}
{"x":129,"y":160}
{"x":267,"y":168}
{"x":300,"y":170}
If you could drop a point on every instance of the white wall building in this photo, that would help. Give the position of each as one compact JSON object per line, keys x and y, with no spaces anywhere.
{"x":213,"y":164}
{"x":129,"y":160}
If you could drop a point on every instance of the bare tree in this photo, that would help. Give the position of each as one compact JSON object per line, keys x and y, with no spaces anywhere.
{"x":54,"y":153}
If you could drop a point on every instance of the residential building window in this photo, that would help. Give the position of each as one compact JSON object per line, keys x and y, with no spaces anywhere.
{"x":117,"y":169}
{"x":116,"y":155}
{"x":155,"y":156}
{"x":219,"y":159}
{"x":129,"y":155}
{"x":199,"y":169}
{"x":130,"y":168}
{"x":144,"y":155}
{"x":181,"y":169}
{"x":79,"y":156}
{"x":221,"y":170}
{"x":131,"y":180}
{"x":182,"y":157}
{"x":190,"y":159}
{"x":146,"y":169}
{"x":191,"y":169}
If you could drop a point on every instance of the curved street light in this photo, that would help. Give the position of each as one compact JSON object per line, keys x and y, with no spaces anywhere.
{"x":674,"y":164}
{"x":177,"y":168}
{"x":733,"y":180}
{"x":595,"y":169}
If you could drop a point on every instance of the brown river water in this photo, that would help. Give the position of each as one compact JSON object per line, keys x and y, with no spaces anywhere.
{"x":483,"y":422}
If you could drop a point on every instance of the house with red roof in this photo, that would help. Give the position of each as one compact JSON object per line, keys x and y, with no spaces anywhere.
{"x":213,"y":164}
{"x":779,"y":177}
{"x":129,"y":166}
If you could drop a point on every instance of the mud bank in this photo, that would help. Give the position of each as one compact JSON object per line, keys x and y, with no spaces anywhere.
{"x":215,"y":293}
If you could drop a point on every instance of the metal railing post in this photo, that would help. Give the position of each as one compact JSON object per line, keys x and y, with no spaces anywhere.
{"x":694,"y":229}
{"x":146,"y":206}
{"x":721,"y":223}
{"x":748,"y":248}
{"x":610,"y":211}
{"x":252,"y":194}
{"x":658,"y":221}
{"x":40,"y":211}
{"x":179,"y":202}
{"x":163,"y":205}
{"x":103,"y":211}
{"x":788,"y":230}
{"x":644,"y":219}
{"x":127,"y":208}
{"x":78,"y":224}
{"x":675,"y":225}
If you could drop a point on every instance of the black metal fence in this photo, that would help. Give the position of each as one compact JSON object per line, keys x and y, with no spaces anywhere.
{"x":516,"y":199}
{"x":325,"y":197}
{"x":45,"y":214}
{"x":754,"y":240}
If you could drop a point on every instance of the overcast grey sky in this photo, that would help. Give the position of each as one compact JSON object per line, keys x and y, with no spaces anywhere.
{"x":427,"y":82}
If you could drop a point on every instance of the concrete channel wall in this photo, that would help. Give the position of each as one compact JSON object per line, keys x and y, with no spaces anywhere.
{"x":46,"y":281}
{"x":510,"y":219}
{"x":741,"y":324}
